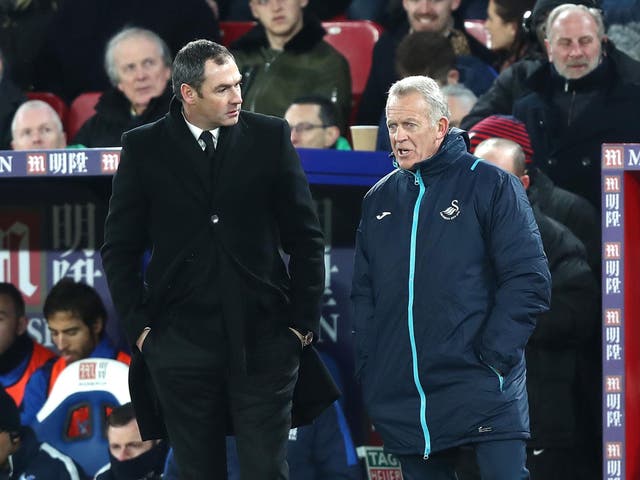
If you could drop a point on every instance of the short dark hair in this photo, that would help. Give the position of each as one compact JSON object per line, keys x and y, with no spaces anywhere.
{"x":121,"y":416}
{"x":188,"y":66}
{"x":425,"y":53}
{"x":328,"y":112}
{"x":78,"y":298}
{"x":10,"y":290}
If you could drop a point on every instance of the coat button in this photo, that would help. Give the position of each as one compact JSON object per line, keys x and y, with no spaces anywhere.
{"x":214,"y":219}
{"x":586,"y":162}
{"x":551,"y":161}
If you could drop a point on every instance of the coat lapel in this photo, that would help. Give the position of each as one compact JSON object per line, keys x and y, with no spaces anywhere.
{"x":231,"y":157}
{"x":189,"y":163}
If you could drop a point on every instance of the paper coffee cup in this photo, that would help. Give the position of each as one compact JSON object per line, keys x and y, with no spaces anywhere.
{"x":364,"y":137}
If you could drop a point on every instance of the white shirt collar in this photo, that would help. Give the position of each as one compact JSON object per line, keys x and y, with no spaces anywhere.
{"x":196,"y":131}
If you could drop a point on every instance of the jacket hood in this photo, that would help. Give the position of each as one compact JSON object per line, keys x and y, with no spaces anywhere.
{"x":311,"y":34}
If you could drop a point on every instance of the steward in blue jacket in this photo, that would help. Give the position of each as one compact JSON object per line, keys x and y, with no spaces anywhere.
{"x":449,"y":276}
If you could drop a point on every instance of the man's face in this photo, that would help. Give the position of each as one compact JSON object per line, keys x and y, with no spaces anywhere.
{"x":414,"y":136}
{"x":37,"y":129}
{"x":281,"y":18}
{"x":430,"y":15}
{"x":501,"y":33}
{"x":307,"y":130}
{"x":219,"y":100}
{"x":11,"y":326}
{"x":72,"y":337}
{"x":126,"y":442}
{"x":142,"y":75}
{"x":7,"y":447}
{"x":573,"y":44}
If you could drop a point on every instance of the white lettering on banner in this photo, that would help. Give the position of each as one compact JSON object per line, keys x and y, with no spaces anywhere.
{"x":39,"y":331}
{"x":74,"y":232}
{"x":20,"y":232}
{"x":81,"y":270}
{"x":6,"y":164}
{"x":74,"y":227}
{"x":613,"y":157}
{"x":634,"y":157}
{"x":68,"y":162}
{"x":612,"y":201}
{"x":109,"y":161}
{"x":36,"y":164}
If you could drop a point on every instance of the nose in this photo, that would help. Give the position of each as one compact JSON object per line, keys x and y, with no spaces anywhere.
{"x":140,"y":73}
{"x":123,"y":454}
{"x":61,"y":342}
{"x":236,"y":99}
{"x":575,"y":50}
{"x":424,"y":6}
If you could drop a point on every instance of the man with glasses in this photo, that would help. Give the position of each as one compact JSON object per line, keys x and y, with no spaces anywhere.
{"x":314,"y":124}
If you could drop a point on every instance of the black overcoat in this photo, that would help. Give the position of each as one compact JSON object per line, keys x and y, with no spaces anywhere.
{"x":257,"y":206}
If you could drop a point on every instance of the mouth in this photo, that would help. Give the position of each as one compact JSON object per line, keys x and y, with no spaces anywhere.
{"x":402,"y":152}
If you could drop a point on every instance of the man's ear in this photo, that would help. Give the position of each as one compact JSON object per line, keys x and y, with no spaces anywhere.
{"x":331,"y":135}
{"x":526,"y":181}
{"x":188,"y":93}
{"x":548,"y":48}
{"x":443,"y":127}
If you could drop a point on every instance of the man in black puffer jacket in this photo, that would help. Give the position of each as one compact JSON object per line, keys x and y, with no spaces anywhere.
{"x":553,"y":351}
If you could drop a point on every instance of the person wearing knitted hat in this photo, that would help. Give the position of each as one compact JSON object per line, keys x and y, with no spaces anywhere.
{"x":562,"y":205}
{"x":553,"y":351}
{"x":22,"y":456}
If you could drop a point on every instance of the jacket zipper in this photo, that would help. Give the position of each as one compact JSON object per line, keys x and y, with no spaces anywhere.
{"x":412,"y":339}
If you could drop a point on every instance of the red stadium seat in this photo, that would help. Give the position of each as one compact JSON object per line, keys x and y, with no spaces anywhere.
{"x":354,"y":39}
{"x":230,"y":31}
{"x":52,"y":99}
{"x":82,"y":108}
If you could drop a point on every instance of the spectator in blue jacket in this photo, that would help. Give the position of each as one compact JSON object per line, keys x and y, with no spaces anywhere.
{"x":449,"y":276}
{"x":320,"y":451}
{"x":22,"y":456}
{"x":76,"y":318}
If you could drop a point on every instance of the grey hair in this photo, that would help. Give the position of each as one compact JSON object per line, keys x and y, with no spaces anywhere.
{"x":125,"y":34}
{"x":35,"y":105}
{"x":594,"y":13}
{"x":458,"y":90}
{"x":511,"y":148}
{"x":430,"y":91}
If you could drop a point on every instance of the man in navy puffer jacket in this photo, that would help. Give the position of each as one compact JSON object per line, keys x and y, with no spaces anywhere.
{"x":449,"y":276}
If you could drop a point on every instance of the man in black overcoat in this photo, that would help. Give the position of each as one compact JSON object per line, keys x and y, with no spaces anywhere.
{"x":219,"y":323}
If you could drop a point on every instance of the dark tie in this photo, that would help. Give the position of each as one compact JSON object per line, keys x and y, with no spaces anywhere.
{"x":209,"y":148}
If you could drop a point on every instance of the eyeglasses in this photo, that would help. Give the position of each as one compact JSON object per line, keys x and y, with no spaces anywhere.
{"x":305,"y":127}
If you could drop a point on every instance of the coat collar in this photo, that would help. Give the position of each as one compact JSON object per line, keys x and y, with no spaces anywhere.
{"x":193,"y":167}
{"x":455,"y":144}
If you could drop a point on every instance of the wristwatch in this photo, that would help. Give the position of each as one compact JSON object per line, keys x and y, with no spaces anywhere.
{"x":306,"y":336}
